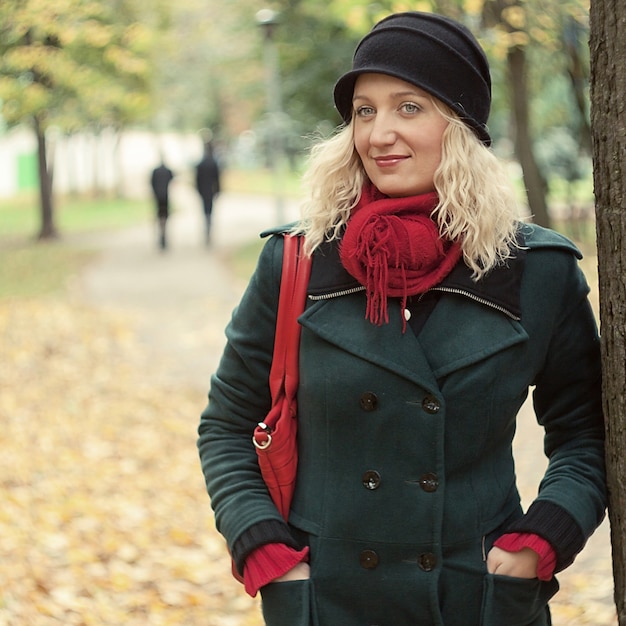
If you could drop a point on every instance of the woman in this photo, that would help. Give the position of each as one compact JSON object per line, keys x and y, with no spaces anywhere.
{"x":431,"y":311}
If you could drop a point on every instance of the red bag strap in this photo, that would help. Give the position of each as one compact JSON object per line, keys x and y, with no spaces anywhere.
{"x":294,"y":281}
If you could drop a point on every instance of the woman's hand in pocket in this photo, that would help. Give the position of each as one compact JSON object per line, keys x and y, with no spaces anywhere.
{"x":522,"y":564}
{"x":302,"y":571}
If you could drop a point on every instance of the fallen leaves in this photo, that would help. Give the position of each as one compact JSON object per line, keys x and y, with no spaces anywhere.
{"x":105,"y":520}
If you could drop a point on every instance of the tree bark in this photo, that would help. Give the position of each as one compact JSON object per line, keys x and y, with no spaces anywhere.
{"x":535,"y":183}
{"x":608,"y":124}
{"x":48,"y":229}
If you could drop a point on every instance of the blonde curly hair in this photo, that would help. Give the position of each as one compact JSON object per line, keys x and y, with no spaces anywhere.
{"x":477,"y":205}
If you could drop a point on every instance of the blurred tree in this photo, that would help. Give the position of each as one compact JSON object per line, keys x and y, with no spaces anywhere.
{"x":575,"y":36}
{"x":211,"y":72}
{"x":509,"y":18}
{"x":185,"y":66}
{"x":608,"y":88}
{"x":215,"y":66}
{"x":69,"y":64}
{"x":316,"y":48}
{"x":209,"y":68}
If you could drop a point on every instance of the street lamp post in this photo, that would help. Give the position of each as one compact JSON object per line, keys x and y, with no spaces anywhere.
{"x":268,"y":21}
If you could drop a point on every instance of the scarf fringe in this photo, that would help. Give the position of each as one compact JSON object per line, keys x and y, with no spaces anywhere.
{"x":393,"y":248}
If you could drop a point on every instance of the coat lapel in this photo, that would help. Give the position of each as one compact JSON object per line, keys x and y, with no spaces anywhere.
{"x":458,"y":333}
{"x":461,"y":332}
{"x":341,"y":321}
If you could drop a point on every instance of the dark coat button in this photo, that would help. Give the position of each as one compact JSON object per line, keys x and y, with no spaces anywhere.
{"x":371,"y":479}
{"x":427,"y":561}
{"x":369,"y":401}
{"x":429,"y":482}
{"x":368,"y":559}
{"x":431,"y":405}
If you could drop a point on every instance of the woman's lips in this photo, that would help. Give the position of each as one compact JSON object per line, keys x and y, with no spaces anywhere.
{"x":389,"y":161}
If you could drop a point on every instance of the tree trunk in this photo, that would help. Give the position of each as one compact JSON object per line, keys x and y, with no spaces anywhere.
{"x":536,"y":186}
{"x":578,"y":81}
{"x":48,"y":229}
{"x":608,"y":86}
{"x":118,"y":169}
{"x":98,"y":185}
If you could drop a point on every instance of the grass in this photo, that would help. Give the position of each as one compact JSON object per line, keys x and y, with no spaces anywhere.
{"x":31,"y":268}
{"x":36,"y":270}
{"x":243,"y":259}
{"x":19,"y":216}
{"x":261,"y":182}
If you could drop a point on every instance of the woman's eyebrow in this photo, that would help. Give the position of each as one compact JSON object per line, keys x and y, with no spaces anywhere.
{"x":396,"y":94}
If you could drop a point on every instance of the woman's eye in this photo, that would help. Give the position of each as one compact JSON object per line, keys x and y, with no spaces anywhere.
{"x":410,"y":107}
{"x":364,"y":111}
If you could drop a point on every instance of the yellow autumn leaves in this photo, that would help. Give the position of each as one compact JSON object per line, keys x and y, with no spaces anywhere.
{"x":104,"y":517}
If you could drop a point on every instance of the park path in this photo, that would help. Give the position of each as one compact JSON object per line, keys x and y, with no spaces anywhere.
{"x":181,"y":299}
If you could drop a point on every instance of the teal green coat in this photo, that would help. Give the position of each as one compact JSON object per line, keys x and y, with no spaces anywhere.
{"x":406,"y":474}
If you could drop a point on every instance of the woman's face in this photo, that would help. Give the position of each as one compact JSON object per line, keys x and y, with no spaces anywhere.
{"x":397,"y":134}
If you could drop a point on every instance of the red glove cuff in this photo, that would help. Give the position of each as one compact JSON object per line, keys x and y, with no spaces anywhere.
{"x":269,"y":562}
{"x":514,"y":542}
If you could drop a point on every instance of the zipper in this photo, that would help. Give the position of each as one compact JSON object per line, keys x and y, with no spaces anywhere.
{"x":460,"y":292}
{"x":337,"y":294}
{"x":471,"y":296}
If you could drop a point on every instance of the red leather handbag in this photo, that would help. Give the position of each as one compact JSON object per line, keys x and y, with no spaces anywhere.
{"x":275,"y":437}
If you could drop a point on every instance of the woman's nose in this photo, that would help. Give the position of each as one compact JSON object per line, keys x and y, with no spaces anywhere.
{"x":383,"y":132}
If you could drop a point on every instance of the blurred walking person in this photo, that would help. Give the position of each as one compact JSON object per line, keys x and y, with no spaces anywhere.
{"x":161,"y":178}
{"x":208,"y":184}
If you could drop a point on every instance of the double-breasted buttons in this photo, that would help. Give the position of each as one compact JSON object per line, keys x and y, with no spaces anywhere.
{"x":368,"y":559}
{"x":431,"y":405}
{"x":371,"y":479}
{"x":427,"y":561}
{"x":429,"y":482}
{"x":369,"y":401}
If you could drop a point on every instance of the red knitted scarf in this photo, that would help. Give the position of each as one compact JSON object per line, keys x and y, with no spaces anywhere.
{"x":393,"y":248}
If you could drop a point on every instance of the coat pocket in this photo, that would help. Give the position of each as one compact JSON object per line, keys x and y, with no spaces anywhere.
{"x":516,"y":601}
{"x":288,"y":603}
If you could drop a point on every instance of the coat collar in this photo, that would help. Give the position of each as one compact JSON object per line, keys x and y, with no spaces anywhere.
{"x":500,"y":289}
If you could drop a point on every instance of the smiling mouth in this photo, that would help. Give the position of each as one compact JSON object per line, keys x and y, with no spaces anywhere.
{"x":389,"y":161}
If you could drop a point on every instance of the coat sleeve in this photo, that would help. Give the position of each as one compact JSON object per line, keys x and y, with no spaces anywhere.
{"x":567,"y":399}
{"x":239,"y":398}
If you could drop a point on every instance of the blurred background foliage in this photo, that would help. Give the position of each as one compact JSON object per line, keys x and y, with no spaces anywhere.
{"x":70,"y":66}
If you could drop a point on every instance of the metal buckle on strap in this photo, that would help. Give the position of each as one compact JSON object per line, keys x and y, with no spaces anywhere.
{"x":263,"y":445}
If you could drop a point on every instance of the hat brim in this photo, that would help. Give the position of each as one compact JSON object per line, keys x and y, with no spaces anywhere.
{"x":344,"y":91}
